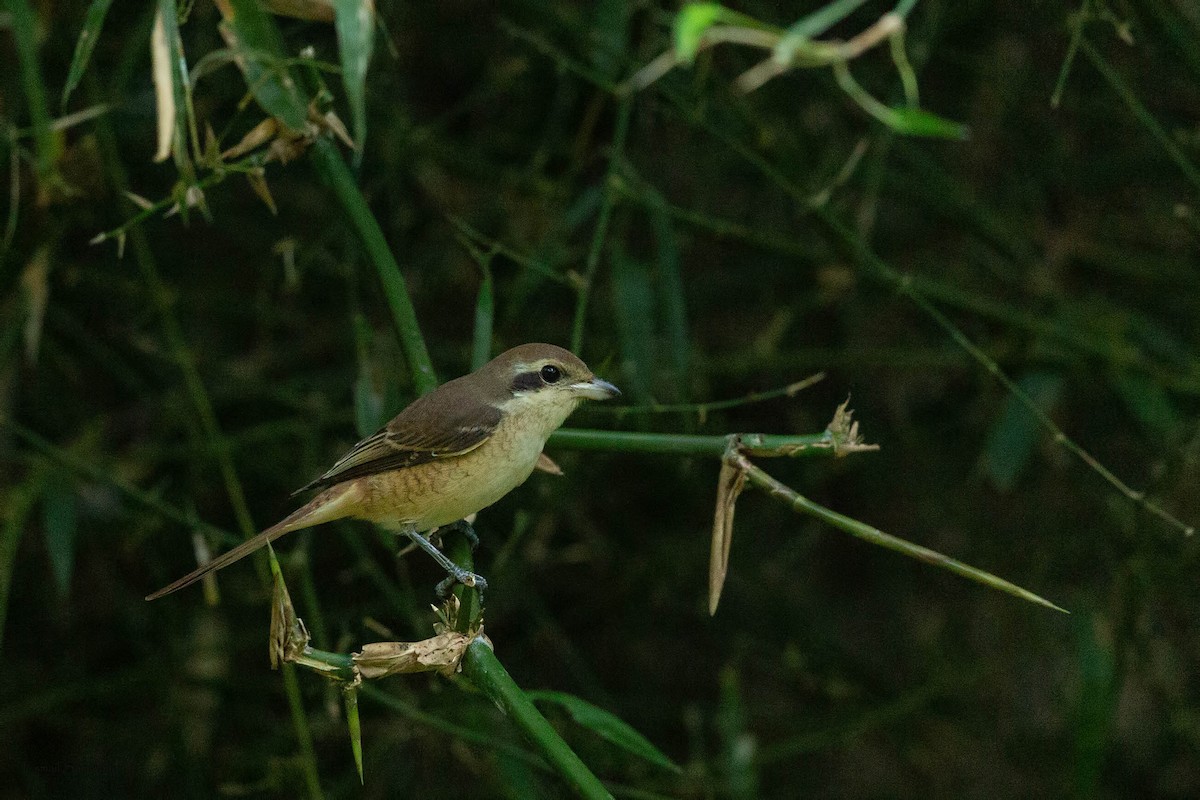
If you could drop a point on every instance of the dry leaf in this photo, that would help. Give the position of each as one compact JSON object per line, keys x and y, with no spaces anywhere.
{"x":258,"y":183}
{"x":164,"y":90}
{"x":312,"y":10}
{"x":441,"y":653}
{"x":546,"y":464}
{"x":256,"y":137}
{"x":729,"y":485}
{"x":289,"y":637}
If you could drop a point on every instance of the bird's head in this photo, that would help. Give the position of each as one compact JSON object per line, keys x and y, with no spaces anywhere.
{"x":542,"y":383}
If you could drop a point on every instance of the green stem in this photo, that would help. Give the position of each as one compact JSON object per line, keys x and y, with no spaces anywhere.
{"x":797,"y":502}
{"x":1140,"y":112}
{"x":470,"y":610}
{"x":760,"y":444}
{"x":308,"y":753}
{"x":328,"y":162}
{"x":482,"y":668}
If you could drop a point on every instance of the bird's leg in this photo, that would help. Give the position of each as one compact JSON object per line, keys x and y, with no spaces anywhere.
{"x":457,"y":574}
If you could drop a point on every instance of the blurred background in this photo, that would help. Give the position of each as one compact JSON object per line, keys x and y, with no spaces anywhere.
{"x":725,"y":232}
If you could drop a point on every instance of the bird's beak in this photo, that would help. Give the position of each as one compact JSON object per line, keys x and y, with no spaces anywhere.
{"x":596,"y":389}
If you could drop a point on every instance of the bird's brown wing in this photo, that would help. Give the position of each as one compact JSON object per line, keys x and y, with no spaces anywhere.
{"x":445,"y":423}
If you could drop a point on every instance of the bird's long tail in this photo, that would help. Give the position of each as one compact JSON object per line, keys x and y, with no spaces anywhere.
{"x":334,"y":503}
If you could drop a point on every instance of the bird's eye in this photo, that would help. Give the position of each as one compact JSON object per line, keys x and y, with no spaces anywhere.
{"x":551,"y":373}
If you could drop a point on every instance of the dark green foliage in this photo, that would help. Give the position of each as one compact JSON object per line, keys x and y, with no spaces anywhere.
{"x":185,"y":374}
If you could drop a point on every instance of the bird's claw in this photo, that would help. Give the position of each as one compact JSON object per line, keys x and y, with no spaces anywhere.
{"x":465,"y":528}
{"x":468,"y":579}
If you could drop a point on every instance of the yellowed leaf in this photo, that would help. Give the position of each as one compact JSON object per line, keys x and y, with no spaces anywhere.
{"x":312,"y":10}
{"x":546,"y":464}
{"x":256,"y":137}
{"x":730,"y":484}
{"x":35,"y":283}
{"x":258,"y":183}
{"x":164,"y":91}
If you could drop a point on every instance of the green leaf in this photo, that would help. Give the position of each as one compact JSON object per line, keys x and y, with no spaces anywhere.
{"x":14,"y":513}
{"x":85,"y":44}
{"x":635,"y":315}
{"x":915,"y":122}
{"x":172,"y":69}
{"x":693,"y":21}
{"x":673,"y":301}
{"x":24,"y":23}
{"x":59,"y":522}
{"x":1011,"y":441}
{"x":369,"y":400}
{"x":736,"y":756}
{"x":690,"y":25}
{"x":1098,"y":688}
{"x":823,"y":18}
{"x":355,"y":24}
{"x":1150,"y":403}
{"x":350,"y":697}
{"x":485,"y":318}
{"x":607,"y":726}
{"x":255,"y":41}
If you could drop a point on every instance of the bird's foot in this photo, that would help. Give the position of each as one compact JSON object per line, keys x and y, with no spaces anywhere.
{"x":465,"y":528}
{"x":466,"y":578}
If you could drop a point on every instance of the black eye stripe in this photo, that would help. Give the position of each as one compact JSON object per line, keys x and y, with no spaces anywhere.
{"x":526,"y":382}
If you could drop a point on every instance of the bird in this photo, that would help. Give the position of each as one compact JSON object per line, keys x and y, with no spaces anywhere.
{"x":447,"y":455}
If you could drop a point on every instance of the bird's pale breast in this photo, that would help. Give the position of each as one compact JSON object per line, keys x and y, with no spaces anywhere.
{"x":443,"y":491}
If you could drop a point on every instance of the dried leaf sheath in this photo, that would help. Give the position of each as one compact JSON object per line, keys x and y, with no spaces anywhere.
{"x":730,"y":483}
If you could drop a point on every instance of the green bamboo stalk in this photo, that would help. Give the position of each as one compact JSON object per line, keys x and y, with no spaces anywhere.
{"x":691,"y":445}
{"x":483,"y":669}
{"x":798,"y":502}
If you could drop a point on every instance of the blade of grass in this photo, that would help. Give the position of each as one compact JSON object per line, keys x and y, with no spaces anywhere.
{"x":633,"y":307}
{"x":460,"y":732}
{"x":19,"y":502}
{"x":673,"y":301}
{"x":607,"y":726}
{"x":85,"y":45}
{"x":354,"y":21}
{"x":823,"y":19}
{"x":329,"y":163}
{"x":60,"y":526}
{"x":24,"y":30}
{"x":255,"y":39}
